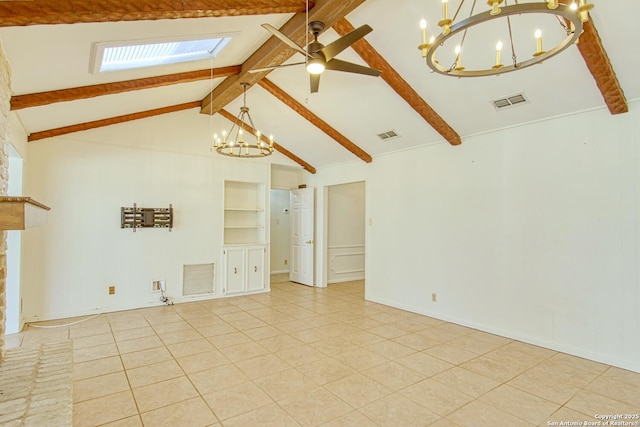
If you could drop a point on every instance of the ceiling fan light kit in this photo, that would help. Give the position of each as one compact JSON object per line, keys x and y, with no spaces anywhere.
{"x":236,"y":143}
{"x":319,"y":57}
{"x":570,"y":19}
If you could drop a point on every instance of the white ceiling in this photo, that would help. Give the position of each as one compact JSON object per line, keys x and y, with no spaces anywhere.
{"x":50,"y":57}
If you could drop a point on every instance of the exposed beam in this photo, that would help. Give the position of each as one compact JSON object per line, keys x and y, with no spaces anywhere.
{"x":38,"y":12}
{"x":397,"y":83}
{"x":227,"y":115}
{"x":597,"y":60}
{"x":315,"y":120}
{"x":275,"y":52}
{"x":19,"y":102}
{"x":111,"y":121}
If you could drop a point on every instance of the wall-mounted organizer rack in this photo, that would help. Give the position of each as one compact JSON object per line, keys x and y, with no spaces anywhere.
{"x":136,"y":217}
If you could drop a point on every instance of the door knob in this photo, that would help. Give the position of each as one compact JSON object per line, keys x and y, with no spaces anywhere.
{"x":309,"y":242}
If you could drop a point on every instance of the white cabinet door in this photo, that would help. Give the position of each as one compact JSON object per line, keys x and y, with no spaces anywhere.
{"x":235,"y":270}
{"x":255,"y":272}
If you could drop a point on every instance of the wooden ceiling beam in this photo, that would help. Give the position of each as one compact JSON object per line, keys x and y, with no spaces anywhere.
{"x":306,"y":166}
{"x":19,"y":102}
{"x":39,"y":12}
{"x":275,"y":52}
{"x":314,"y":120}
{"x":111,"y":121}
{"x":597,"y":61}
{"x":397,"y":83}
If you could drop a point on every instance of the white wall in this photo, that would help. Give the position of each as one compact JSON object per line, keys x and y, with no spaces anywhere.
{"x":87,"y":177}
{"x":346,"y":232}
{"x":14,"y":248}
{"x":530,"y":232}
{"x":280,"y":231}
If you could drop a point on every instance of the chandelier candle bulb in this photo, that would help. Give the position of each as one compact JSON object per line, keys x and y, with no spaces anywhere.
{"x":446,"y":22}
{"x":459,"y":66}
{"x":495,"y":7}
{"x":423,"y":27}
{"x":539,"y":51}
{"x":498,"y":52}
{"x":271,"y":142}
{"x":583,"y":10}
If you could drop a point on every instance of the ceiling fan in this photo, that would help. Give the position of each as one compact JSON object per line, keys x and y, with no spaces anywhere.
{"x":320,"y":57}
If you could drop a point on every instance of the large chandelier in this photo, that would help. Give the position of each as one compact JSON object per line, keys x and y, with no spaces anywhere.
{"x":515,"y":24}
{"x":237,"y":143}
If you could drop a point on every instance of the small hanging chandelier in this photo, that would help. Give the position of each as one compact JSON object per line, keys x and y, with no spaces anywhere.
{"x":237,"y":143}
{"x":569,"y":17}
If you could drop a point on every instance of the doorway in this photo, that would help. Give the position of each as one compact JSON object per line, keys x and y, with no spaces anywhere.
{"x":346,"y":232}
{"x":280,"y":235}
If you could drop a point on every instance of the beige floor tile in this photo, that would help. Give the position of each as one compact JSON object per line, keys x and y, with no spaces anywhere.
{"x":590,"y":403}
{"x":286,"y":384}
{"x":184,"y":335}
{"x":609,"y":387}
{"x":390,"y":349}
{"x":155,"y":373}
{"x":520,"y":404}
{"x":443,"y":422}
{"x":124,"y":323}
{"x":361,"y":359}
{"x":145,"y":357}
{"x":95,"y":368}
{"x":622,"y":375}
{"x":235,"y":316}
{"x":164,"y":393}
{"x":262,"y":366}
{"x":437,"y":397}
{"x":95,"y":387}
{"x":263,"y":332}
{"x":88,"y":331}
{"x":208,"y":320}
{"x":571,"y":370}
{"x":388,"y":331}
{"x":437,"y":334}
{"x":451,"y":354}
{"x":314,"y":408}
{"x":564,"y":415}
{"x":353,"y":419}
{"x":466,"y":381}
{"x":202,"y":361}
{"x":545,"y":385}
{"x":279,"y":343}
{"x":216,"y":330}
{"x":245,"y":351}
{"x":478,"y":414}
{"x":334,"y":346}
{"x":192,"y":413}
{"x":105,"y":409}
{"x":247,"y":324}
{"x":358,"y":390}
{"x":394,"y":375}
{"x":325,"y":370}
{"x":395,"y":410}
{"x":425,"y":364}
{"x":236,"y":400}
{"x":218,"y":378}
{"x":190,"y":347}
{"x":267,"y":416}
{"x":229,"y":340}
{"x":474,"y":344}
{"x":126,"y":422}
{"x":131,"y":334}
{"x":416,"y":341}
{"x":164,"y":327}
{"x":139,"y":344}
{"x":516,"y":353}
{"x":94,"y":353}
{"x":499,"y":371}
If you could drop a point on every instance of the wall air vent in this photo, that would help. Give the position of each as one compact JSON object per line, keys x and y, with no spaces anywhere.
{"x":509,"y":101}
{"x":390,"y":134}
{"x":197,"y":279}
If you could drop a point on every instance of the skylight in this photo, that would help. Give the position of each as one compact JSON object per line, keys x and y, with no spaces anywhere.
{"x":128,"y":55}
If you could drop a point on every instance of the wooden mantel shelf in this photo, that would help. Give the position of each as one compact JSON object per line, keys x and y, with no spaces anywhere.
{"x":20,"y":213}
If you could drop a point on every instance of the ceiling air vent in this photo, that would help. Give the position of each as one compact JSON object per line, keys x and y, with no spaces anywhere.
{"x":509,"y":101}
{"x":390,"y":134}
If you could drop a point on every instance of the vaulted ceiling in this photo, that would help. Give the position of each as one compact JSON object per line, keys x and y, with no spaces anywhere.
{"x":49,"y":46}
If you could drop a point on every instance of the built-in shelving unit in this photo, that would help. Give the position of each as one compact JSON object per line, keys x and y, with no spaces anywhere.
{"x":244,"y":213}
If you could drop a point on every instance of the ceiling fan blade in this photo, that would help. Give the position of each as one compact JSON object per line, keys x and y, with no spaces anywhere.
{"x":333,"y":49}
{"x":315,"y":82}
{"x":260,"y":70}
{"x":350,"y":67}
{"x":293,"y":45}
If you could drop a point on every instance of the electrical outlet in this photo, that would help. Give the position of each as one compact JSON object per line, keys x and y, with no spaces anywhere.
{"x":286,"y":262}
{"x":155,"y":286}
{"x":434,"y":297}
{"x":112,"y":290}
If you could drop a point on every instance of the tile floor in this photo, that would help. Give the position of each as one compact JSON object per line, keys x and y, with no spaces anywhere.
{"x":307,"y":356}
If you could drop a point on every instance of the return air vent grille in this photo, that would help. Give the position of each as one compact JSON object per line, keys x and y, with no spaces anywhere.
{"x":197,"y":279}
{"x":390,"y":134}
{"x":509,"y":101}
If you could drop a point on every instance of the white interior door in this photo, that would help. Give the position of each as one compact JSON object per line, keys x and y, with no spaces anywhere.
{"x":302,"y":228}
